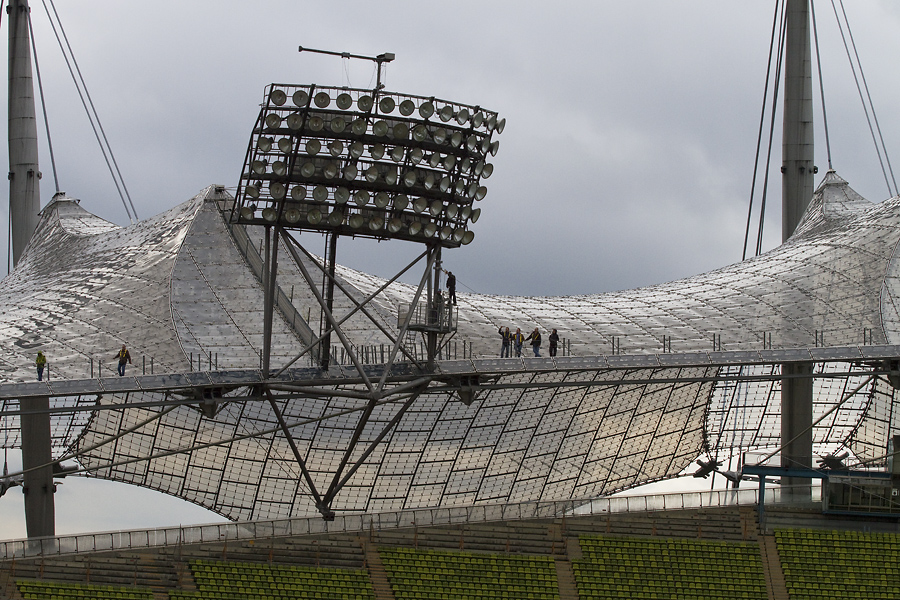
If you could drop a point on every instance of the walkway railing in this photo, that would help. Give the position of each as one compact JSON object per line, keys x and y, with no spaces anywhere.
{"x":171,"y":536}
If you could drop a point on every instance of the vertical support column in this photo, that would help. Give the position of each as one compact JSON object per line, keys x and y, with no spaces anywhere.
{"x":24,"y":174}
{"x":270,"y":275}
{"x":797,"y":189}
{"x":435,"y":306}
{"x":796,"y":425}
{"x":40,"y":520}
{"x":329,"y":295}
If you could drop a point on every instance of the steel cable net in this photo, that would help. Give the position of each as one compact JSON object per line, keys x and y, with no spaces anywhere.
{"x":746,"y":415}
{"x":182,"y":285}
{"x":508,"y":446}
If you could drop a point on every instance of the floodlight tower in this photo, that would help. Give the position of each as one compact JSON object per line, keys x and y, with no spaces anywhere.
{"x":374,"y":164}
{"x":367,"y":163}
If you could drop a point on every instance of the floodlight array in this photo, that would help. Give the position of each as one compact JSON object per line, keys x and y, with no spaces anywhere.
{"x":369,"y":163}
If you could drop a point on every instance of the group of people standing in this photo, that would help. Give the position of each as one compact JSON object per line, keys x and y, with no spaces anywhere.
{"x":517,"y":340}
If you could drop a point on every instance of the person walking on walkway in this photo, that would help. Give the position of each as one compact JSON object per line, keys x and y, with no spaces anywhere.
{"x":554,"y":340}
{"x":124,"y":358}
{"x":40,"y":362}
{"x":506,"y":337}
{"x":535,"y":337}
{"x":518,"y":339}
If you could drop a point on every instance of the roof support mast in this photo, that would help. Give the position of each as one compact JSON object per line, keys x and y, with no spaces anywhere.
{"x":24,"y":206}
{"x":797,"y":189}
{"x":24,"y":175}
{"x":797,"y":151}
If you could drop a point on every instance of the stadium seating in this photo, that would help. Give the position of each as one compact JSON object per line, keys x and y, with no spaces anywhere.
{"x":839,"y":564}
{"x":47,"y":590}
{"x":707,"y":553}
{"x":219,"y":580}
{"x":633,"y":567}
{"x":436,"y":575}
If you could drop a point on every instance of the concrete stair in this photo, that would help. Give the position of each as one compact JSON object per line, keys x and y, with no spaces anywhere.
{"x":771,"y":563}
{"x":377,"y":575}
{"x":565,"y":579}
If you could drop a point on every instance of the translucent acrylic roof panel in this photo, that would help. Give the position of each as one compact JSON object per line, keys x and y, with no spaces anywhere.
{"x":510,"y":445}
{"x":185,"y":285}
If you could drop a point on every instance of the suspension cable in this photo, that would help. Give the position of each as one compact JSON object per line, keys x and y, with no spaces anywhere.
{"x":869,"y":96}
{"x":762,"y":117}
{"x":37,"y":70}
{"x":91,"y":111}
{"x":812,"y":8}
{"x":859,"y":90}
{"x":765,"y":194}
{"x":9,"y":221}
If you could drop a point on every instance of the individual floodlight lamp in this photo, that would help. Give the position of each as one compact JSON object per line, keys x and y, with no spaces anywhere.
{"x":344,"y":101}
{"x":322,"y":99}
{"x":292,"y":216}
{"x":294,"y":121}
{"x":381,"y":200}
{"x":278,"y":97}
{"x":277,"y":190}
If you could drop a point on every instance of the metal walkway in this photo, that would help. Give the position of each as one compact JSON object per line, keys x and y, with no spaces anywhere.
{"x":882,"y":360}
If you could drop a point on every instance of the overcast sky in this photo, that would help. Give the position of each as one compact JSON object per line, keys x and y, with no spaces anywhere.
{"x":626,"y":161}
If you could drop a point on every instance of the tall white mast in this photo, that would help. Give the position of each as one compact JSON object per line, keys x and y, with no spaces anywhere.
{"x":24,"y":174}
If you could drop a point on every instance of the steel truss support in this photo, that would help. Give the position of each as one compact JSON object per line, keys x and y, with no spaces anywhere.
{"x":293,"y":245}
{"x":412,"y":390}
{"x":338,"y":482}
{"x":290,"y":440}
{"x":373,"y":394}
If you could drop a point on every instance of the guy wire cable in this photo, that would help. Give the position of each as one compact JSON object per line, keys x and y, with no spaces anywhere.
{"x":91,"y":111}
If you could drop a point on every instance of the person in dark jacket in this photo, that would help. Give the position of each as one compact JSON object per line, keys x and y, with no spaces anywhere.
{"x":535,"y":337}
{"x":506,"y":337}
{"x":518,"y":339}
{"x":554,"y":340}
{"x":451,"y":287}
{"x":124,"y":358}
